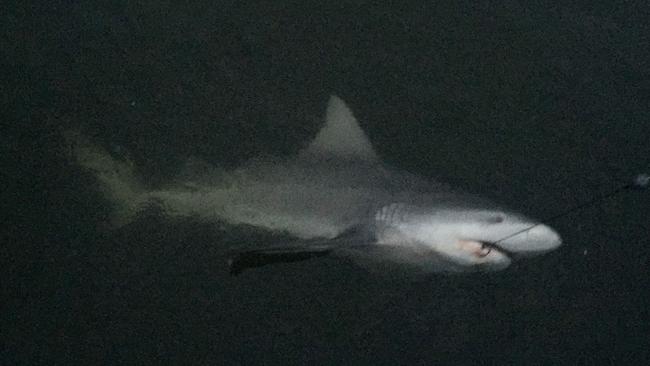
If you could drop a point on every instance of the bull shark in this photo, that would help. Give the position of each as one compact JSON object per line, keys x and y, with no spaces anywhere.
{"x":335,"y":197}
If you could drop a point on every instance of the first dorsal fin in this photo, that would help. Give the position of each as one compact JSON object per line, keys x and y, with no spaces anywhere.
{"x":341,"y":135}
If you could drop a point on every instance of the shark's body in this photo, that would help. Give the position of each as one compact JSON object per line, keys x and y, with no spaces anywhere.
{"x":336,"y":196}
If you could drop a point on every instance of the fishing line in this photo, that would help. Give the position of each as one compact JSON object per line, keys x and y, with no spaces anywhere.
{"x":640,"y":182}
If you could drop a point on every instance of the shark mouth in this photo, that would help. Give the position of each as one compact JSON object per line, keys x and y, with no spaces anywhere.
{"x":494,"y":246}
{"x":489,"y":246}
{"x":482,"y":249}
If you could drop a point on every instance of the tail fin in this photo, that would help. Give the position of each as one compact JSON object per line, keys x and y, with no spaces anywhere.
{"x":117,"y":179}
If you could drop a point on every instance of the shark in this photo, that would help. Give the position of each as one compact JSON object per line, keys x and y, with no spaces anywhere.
{"x":335,"y":197}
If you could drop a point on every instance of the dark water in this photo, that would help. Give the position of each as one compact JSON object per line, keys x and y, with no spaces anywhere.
{"x":540,"y":107}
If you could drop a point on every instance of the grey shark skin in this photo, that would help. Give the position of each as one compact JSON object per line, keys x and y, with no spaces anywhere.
{"x":334,"y":197}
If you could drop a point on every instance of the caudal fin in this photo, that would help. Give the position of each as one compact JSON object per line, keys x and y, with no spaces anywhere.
{"x":116,"y":178}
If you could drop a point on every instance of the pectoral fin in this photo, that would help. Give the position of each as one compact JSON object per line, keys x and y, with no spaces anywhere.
{"x":262,"y":257}
{"x":308,"y":249}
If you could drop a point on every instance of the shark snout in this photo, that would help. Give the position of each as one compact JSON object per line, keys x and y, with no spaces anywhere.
{"x":536,"y":240}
